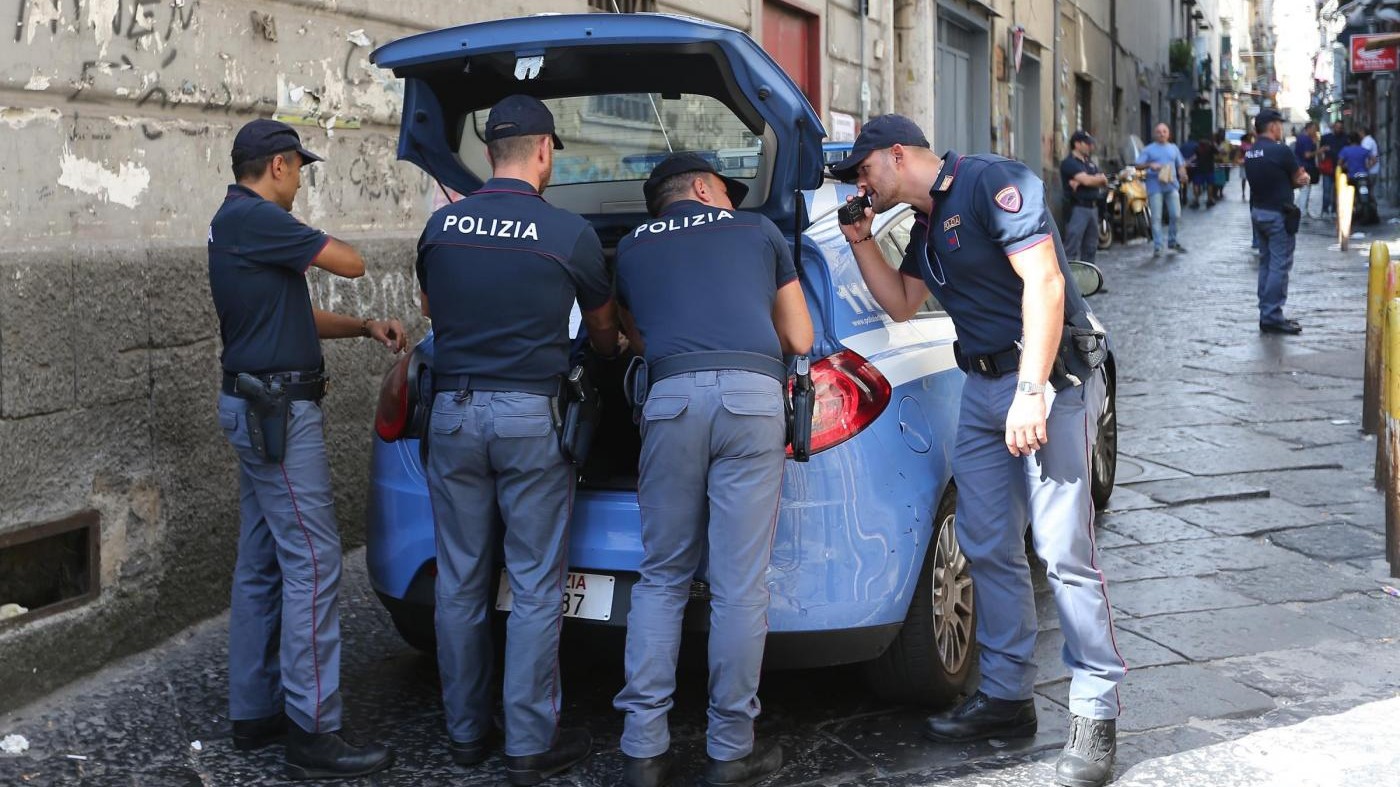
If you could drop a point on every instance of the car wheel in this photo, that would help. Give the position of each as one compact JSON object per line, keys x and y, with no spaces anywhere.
{"x":414,"y":623}
{"x":1105,"y":456}
{"x":930,"y":660}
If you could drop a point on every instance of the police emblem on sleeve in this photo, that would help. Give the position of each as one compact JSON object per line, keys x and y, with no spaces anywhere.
{"x":1009,"y":199}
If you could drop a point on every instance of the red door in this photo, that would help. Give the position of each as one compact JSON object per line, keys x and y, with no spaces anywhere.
{"x":791,"y":35}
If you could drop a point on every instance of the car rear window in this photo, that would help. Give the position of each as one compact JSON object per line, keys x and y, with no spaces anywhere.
{"x":621,"y":136}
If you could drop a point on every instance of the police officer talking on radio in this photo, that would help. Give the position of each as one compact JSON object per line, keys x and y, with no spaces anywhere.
{"x":284,"y":629}
{"x":500,"y":270}
{"x":986,"y":246}
{"x":712,"y":301}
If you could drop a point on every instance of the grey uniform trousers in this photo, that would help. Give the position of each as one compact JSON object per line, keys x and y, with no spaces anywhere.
{"x":711,"y":477}
{"x":1081,"y":236}
{"x":284,"y":628}
{"x":997,"y":495}
{"x":495,"y":457}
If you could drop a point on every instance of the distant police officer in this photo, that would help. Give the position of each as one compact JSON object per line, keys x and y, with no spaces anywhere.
{"x":499,"y":272}
{"x":712,"y":300}
{"x":1273,"y":173}
{"x":1083,"y":187}
{"x":985,"y":244}
{"x":284,"y":629}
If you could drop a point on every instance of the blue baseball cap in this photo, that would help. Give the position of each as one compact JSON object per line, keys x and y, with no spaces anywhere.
{"x":879,"y":133}
{"x":681,"y":163}
{"x":520,"y":116}
{"x":1265,"y":117}
{"x":265,"y":137}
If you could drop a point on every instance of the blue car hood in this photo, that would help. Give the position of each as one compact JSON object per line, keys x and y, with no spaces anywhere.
{"x":457,"y":70}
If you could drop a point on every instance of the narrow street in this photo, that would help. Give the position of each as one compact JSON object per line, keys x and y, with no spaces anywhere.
{"x":1243,"y":549}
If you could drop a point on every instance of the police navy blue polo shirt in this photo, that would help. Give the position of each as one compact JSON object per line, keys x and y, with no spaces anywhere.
{"x":699,"y":278}
{"x":1270,"y":167}
{"x":258,"y":257}
{"x":985,"y":208}
{"x":501,"y":269}
{"x":1084,"y":195}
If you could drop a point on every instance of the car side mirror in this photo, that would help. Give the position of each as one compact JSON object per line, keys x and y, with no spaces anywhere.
{"x":1087,"y":275}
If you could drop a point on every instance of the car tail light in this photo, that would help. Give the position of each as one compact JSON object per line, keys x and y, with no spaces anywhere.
{"x":850,"y":394}
{"x":391,"y":418}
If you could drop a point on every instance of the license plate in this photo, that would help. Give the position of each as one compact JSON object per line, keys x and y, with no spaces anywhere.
{"x":587,"y":596}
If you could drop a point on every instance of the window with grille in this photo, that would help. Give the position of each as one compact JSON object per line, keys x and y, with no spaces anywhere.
{"x":625,"y":6}
{"x":1083,"y":91}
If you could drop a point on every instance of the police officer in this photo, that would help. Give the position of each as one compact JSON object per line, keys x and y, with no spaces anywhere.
{"x":284,"y":629}
{"x":1083,"y":187}
{"x":499,"y":272}
{"x":1273,"y":173}
{"x":713,"y":302}
{"x":985,"y":244}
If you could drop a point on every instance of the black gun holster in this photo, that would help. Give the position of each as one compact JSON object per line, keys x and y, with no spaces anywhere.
{"x":582,"y":409}
{"x":268,"y":409}
{"x":800,"y":403}
{"x":1083,"y":349}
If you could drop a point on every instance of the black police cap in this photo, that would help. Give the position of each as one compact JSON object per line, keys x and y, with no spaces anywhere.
{"x":879,"y":133}
{"x":1081,"y":136}
{"x":265,"y":137}
{"x":680,"y":163}
{"x":1265,"y":117}
{"x":520,"y":116}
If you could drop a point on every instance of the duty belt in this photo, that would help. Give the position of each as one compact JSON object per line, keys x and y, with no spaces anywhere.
{"x":992,"y":365}
{"x":478,"y":382}
{"x":682,"y":363}
{"x":309,"y":386}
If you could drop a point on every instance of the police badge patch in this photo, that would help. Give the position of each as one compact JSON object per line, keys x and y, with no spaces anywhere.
{"x":1009,"y":199}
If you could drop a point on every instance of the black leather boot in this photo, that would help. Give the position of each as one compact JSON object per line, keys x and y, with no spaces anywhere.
{"x":470,"y":753}
{"x":569,"y":749}
{"x":980,"y":717}
{"x":326,"y":755}
{"x":1087,"y":760}
{"x":765,"y":760}
{"x":647,"y":771}
{"x":250,"y":734}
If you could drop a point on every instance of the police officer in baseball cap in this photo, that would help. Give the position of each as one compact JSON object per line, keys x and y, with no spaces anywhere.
{"x":985,"y":244}
{"x":284,"y":628}
{"x":713,"y":303}
{"x":499,"y":272}
{"x":1273,"y":173}
{"x":1083,"y":188}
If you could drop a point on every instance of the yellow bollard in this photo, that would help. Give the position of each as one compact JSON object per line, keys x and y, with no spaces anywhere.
{"x":1390,"y":435}
{"x":1375,"y":318}
{"x":1346,"y":197}
{"x":1390,"y":366}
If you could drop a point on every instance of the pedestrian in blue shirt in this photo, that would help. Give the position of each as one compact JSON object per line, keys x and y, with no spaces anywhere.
{"x":1273,"y":174}
{"x":985,"y":245}
{"x":1168,"y":171}
{"x":1354,"y":159}
{"x":284,"y":627}
{"x":500,"y":270}
{"x":713,"y":302}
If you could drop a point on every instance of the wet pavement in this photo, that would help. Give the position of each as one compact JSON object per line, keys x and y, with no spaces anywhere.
{"x":1243,"y":547}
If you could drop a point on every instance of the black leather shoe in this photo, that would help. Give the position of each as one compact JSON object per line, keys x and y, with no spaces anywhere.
{"x":981,"y":717}
{"x":1087,"y":760}
{"x":765,"y":760}
{"x":326,"y":755}
{"x":568,"y":750}
{"x":470,"y":753}
{"x":1288,"y":326}
{"x":647,"y":771}
{"x":250,"y":734}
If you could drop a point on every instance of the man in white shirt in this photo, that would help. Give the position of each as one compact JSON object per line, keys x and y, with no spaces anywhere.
{"x":1373,"y":151}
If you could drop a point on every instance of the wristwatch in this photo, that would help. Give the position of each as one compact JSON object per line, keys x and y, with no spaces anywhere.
{"x":1028,"y":387}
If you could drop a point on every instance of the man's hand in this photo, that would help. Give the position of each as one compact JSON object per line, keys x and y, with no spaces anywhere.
{"x":1025,"y":424}
{"x":861,"y":228}
{"x":389,"y":333}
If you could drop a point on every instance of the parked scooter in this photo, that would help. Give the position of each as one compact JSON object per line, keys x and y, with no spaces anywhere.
{"x":1128,"y":212}
{"x":1364,"y":210}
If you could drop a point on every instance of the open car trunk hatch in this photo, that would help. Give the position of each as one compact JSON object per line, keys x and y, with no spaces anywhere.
{"x":625,"y":90}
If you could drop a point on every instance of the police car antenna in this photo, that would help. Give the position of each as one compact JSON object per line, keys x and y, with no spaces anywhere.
{"x":659,"y":122}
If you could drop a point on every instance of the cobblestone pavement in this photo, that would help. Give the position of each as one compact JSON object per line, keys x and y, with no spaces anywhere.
{"x":1243,"y":547}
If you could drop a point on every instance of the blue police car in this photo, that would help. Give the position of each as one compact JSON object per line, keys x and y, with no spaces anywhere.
{"x":866,"y":567}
